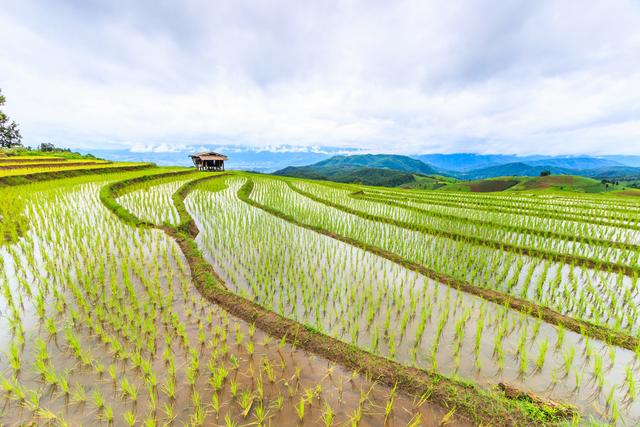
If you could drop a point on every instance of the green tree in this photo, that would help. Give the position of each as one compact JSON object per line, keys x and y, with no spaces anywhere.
{"x":9,"y":132}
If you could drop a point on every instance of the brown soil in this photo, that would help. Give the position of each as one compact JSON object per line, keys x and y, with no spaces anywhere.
{"x":631,"y":192}
{"x":489,"y":186}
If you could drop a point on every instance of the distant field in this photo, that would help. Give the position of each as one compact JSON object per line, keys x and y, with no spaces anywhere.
{"x":50,"y":164}
{"x":245,"y":299}
{"x":553,"y":183}
{"x":35,"y":169}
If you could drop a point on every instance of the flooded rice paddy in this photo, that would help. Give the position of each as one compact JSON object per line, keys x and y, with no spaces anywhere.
{"x":101,"y":325}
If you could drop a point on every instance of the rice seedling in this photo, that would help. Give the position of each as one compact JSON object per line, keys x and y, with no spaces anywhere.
{"x":129,"y":418}
{"x":300,"y":408}
{"x":128,"y":390}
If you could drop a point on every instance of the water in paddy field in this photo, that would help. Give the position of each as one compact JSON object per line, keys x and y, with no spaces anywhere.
{"x":100,"y":321}
{"x":335,"y":285}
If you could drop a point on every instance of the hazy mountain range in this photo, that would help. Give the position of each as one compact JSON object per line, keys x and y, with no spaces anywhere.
{"x":462,"y":166}
{"x":320,"y":161}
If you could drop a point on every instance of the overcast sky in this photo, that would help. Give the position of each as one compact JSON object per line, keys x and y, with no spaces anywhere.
{"x":546,"y":77}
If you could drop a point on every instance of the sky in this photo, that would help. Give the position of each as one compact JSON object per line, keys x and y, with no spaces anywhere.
{"x":508,"y":76}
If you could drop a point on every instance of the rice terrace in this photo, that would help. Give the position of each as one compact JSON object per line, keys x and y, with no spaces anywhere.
{"x":332,"y":214}
{"x":231,"y":298}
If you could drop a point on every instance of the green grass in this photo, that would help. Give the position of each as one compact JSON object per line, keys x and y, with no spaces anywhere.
{"x":429,"y":182}
{"x":538,"y":184}
{"x":23,"y":153}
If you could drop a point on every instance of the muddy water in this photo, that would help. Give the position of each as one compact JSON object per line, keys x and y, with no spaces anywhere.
{"x":103,"y":283}
{"x":276,"y":263}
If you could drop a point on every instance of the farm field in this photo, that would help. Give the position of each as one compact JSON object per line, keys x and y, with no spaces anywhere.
{"x":167,"y":296}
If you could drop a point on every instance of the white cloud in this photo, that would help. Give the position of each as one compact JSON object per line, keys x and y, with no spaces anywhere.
{"x":154,"y":148}
{"x":407,"y":76}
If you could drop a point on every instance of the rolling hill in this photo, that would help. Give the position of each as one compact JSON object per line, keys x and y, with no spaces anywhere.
{"x":371,"y":169}
{"x":564,"y":183}
{"x":470,"y":162}
{"x":378,"y":161}
{"x":584,"y":175}
{"x":360,"y":175}
{"x":512,"y":169}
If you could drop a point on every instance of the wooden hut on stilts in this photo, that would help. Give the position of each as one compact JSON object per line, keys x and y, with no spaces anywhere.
{"x":209,"y":161}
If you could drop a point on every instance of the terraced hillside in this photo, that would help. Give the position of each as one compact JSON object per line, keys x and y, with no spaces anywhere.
{"x":159,"y":295}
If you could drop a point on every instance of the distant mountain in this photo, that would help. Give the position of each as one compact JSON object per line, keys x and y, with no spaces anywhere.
{"x":611,"y":172}
{"x":377,"y":161}
{"x":575,"y":162}
{"x":633,"y":161}
{"x":466,"y":161}
{"x":372,"y":169}
{"x":511,"y":169}
{"x":462,"y":165}
{"x":350,"y":174}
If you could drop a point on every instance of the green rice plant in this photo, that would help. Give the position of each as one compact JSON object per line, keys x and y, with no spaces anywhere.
{"x":630,"y":382}
{"x":14,"y":357}
{"x":98,"y":399}
{"x":610,"y":395}
{"x":389,"y":405}
{"x":63,"y":384}
{"x":523,"y":365}
{"x":278,"y":403}
{"x":267,"y":368}
{"x":169,"y":412}
{"x":215,"y":404}
{"x":129,"y":418}
{"x":245,"y":400}
{"x":107,"y":414}
{"x":79,"y":394}
{"x":568,"y":359}
{"x":153,"y":404}
{"x":51,"y":326}
{"x":300,"y":409}
{"x":169,"y":388}
{"x":198,"y":415}
{"x":327,"y":414}
{"x":597,"y":370}
{"x":560,"y":336}
{"x":416,"y":421}
{"x":615,"y":413}
{"x":229,"y":422}
{"x":112,"y":373}
{"x":128,"y":390}
{"x":542,"y":353}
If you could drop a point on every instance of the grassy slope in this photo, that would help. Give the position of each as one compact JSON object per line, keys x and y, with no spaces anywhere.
{"x":17,"y":153}
{"x":484,"y":185}
{"x":358,"y":175}
{"x":537,"y":184}
{"x":431,"y":182}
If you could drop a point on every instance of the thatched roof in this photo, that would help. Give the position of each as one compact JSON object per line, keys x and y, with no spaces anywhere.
{"x":209,"y":155}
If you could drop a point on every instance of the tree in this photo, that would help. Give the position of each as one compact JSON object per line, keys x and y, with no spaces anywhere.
{"x":47,"y":146}
{"x":9,"y":132}
{"x":545,"y":173}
